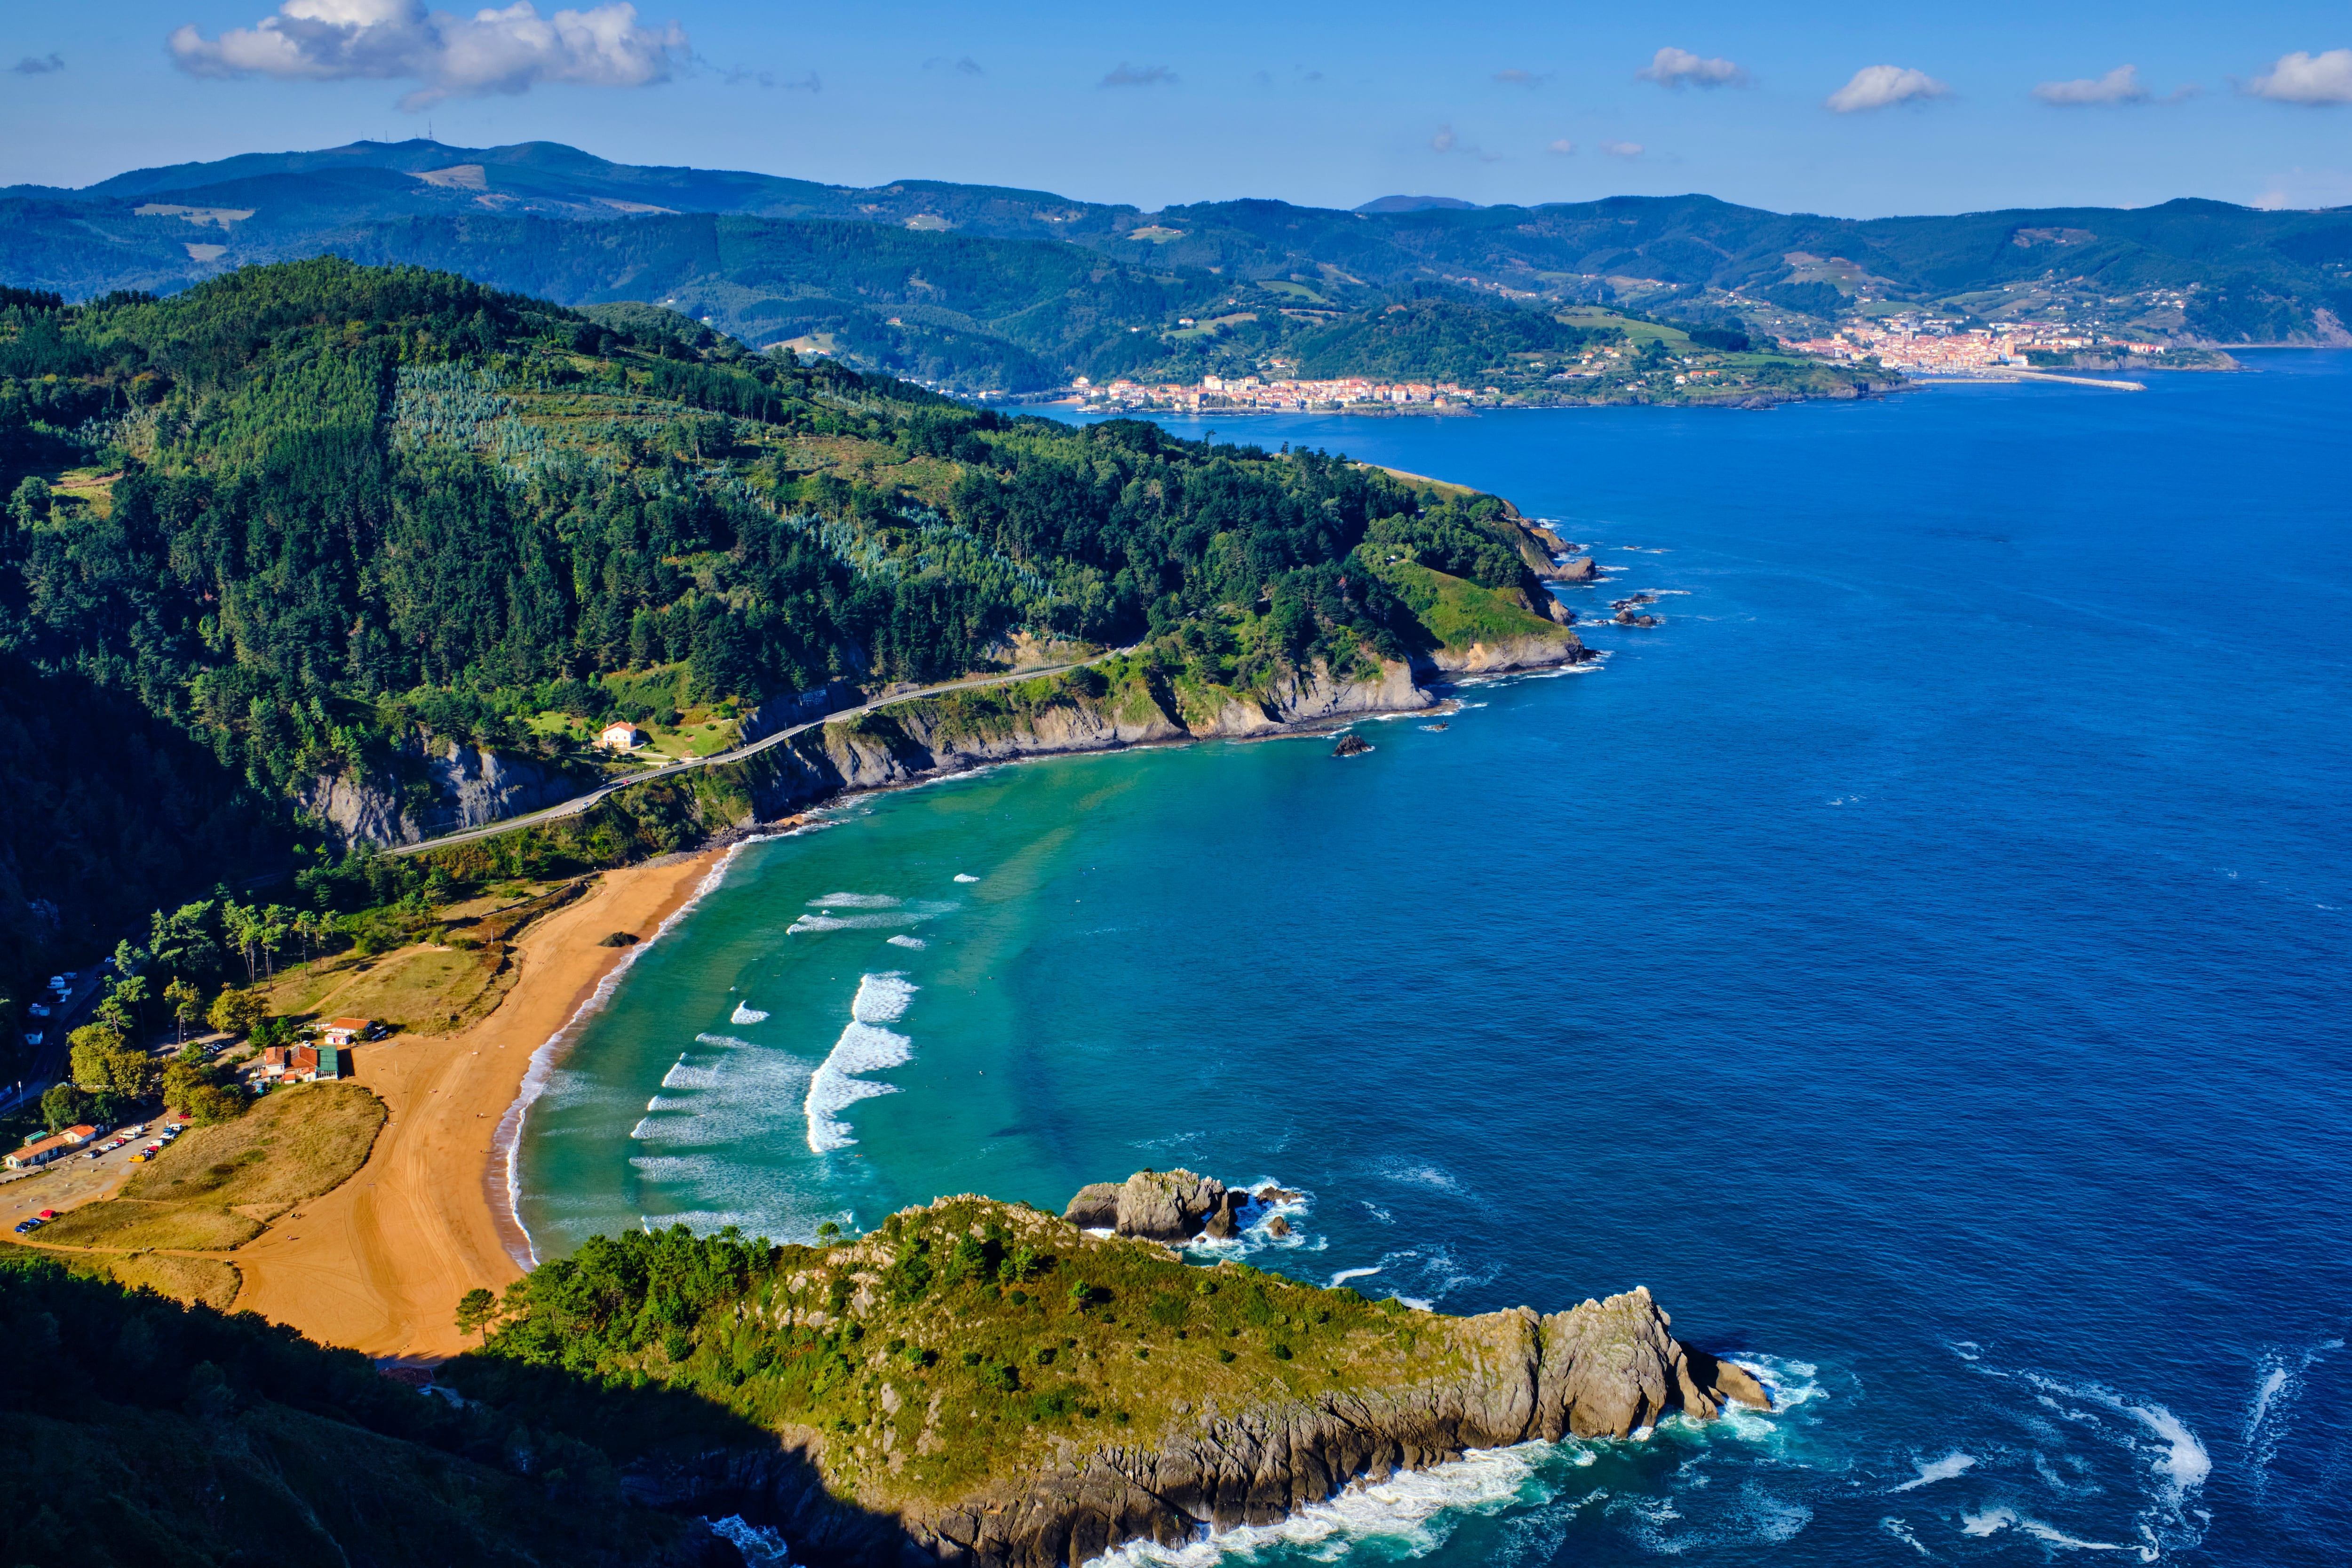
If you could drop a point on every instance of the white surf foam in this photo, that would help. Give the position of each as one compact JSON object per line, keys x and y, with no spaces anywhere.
{"x":1344,"y":1275}
{"x":856,"y":901}
{"x":722,"y":1041}
{"x":2270,"y":1412}
{"x":966,"y":877}
{"x":681,"y":1076}
{"x":1942,"y":1469}
{"x":882,"y":998}
{"x":1992,"y":1521}
{"x":1409,"y":1514}
{"x":1902,"y":1533}
{"x":864,"y":1047}
{"x":508,"y":1140}
{"x":902,"y":940}
{"x":850,"y":922}
{"x":760,"y":1547}
{"x":746,"y":1014}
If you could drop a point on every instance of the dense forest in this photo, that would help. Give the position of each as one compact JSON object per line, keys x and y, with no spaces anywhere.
{"x":278,"y":525}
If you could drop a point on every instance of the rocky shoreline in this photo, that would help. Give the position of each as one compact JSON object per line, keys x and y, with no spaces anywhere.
{"x":1418,"y":1389}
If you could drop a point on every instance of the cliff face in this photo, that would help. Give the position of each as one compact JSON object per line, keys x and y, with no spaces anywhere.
{"x":1120,"y":1394}
{"x":472,"y":787}
{"x":898,"y":744}
{"x":1604,"y":1369}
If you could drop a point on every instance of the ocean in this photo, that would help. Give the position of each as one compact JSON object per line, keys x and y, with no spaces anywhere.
{"x":1921,"y":962}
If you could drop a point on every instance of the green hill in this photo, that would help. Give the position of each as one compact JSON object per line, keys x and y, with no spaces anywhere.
{"x":986,"y":288}
{"x":312,"y":521}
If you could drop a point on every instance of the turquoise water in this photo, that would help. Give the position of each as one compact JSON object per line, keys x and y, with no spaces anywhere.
{"x":1921,"y":962}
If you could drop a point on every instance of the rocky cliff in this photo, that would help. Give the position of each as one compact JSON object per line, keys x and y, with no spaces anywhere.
{"x":986,"y":1385}
{"x":466,"y":786}
{"x":1060,"y":715}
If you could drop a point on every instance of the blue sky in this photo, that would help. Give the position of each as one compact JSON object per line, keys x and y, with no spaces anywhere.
{"x":1857,"y":110}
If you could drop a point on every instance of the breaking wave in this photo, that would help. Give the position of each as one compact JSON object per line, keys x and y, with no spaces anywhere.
{"x":864,"y":1047}
{"x":1409,"y":1514}
{"x":746,"y":1014}
{"x":903,"y":939}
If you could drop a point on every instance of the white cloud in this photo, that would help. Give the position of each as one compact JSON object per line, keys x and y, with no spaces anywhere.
{"x":1445,"y":140}
{"x":1622,"y":149}
{"x":1517,"y":78}
{"x":1878,"y":86}
{"x":1563,"y":147}
{"x":1680,"y":67}
{"x":2121,"y":85}
{"x":509,"y":50}
{"x":2302,"y":77}
{"x":1125,"y":75}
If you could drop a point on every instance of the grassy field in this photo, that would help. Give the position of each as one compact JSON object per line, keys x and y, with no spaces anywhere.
{"x":190,"y":1280}
{"x":973,"y":1339}
{"x":217,"y":1186}
{"x":1460,"y":613}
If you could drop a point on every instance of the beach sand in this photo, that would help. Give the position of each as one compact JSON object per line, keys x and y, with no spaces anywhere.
{"x":379,"y":1263}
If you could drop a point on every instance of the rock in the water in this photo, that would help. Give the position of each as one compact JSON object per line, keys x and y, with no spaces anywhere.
{"x":1351,"y":746}
{"x":1158,"y":1206}
{"x":1583,"y":568}
{"x":1277,"y":1227}
{"x":1628,"y":618}
{"x":1270,"y":1194}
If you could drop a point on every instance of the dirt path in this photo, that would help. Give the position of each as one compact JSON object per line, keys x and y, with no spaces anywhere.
{"x":379,"y":1263}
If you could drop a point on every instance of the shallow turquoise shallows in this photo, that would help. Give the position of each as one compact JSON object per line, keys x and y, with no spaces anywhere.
{"x":1921,"y":962}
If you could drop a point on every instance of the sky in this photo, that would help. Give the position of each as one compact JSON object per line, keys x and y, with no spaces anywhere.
{"x":1831,"y":107}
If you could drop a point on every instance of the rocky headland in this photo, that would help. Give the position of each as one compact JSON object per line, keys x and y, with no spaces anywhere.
{"x":988,"y":1385}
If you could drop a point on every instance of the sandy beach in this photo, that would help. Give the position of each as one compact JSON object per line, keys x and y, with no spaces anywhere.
{"x":379,"y":1263}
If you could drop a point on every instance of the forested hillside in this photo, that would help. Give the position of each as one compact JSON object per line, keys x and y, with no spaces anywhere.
{"x":281,"y":526}
{"x":979,"y":287}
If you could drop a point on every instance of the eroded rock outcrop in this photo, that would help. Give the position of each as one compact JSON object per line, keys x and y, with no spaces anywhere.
{"x":1158,"y":1206}
{"x":466,"y":786}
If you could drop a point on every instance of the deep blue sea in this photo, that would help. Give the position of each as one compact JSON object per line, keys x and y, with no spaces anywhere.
{"x":1921,"y":962}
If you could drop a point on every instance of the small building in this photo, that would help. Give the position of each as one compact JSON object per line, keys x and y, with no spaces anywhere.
{"x":345,"y":1031}
{"x":334,"y":1062}
{"x":43,"y":1151}
{"x":620,"y":736}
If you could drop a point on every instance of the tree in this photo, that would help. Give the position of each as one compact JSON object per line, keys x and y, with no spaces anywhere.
{"x":186,"y":942}
{"x":124,"y":998}
{"x":68,"y":1105}
{"x":476,"y":1308}
{"x":244,"y":926}
{"x":235,"y":1012}
{"x":187,"y":1007}
{"x":272,"y":926}
{"x":101,"y":1062}
{"x":192,"y":1083}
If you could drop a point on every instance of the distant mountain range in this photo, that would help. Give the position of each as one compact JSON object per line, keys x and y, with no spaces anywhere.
{"x":979,"y":287}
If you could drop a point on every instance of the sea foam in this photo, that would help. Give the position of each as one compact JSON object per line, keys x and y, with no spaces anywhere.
{"x":1408,"y":1515}
{"x":746,"y":1014}
{"x":864,"y":1047}
{"x":1942,"y":1469}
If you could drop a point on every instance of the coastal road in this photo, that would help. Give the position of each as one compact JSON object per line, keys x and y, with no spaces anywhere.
{"x":578,"y":803}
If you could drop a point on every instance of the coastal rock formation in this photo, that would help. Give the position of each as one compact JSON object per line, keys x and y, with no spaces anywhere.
{"x":469,"y":786}
{"x":1604,"y":1369}
{"x":1583,"y":568}
{"x":1351,"y":745}
{"x":1382,"y":1389}
{"x":1157,"y":1206}
{"x":1627,"y":617}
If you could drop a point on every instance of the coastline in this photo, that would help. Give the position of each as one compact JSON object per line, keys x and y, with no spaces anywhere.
{"x":378,"y":1264}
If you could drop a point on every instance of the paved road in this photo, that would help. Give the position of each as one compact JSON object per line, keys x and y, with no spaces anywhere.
{"x":578,"y":803}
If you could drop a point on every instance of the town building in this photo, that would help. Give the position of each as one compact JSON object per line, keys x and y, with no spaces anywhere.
{"x":345,"y":1031}
{"x":43,"y":1151}
{"x":620,"y":736}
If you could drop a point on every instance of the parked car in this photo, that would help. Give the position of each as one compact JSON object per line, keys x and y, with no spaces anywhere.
{"x":23,"y":1226}
{"x":141,"y":1159}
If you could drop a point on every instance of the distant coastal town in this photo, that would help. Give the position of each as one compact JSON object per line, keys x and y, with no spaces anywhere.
{"x":1916,"y":342}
